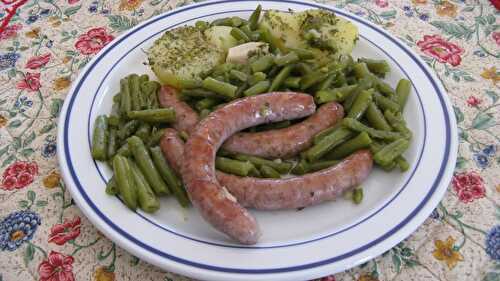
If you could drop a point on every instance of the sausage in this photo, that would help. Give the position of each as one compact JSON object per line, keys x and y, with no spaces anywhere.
{"x":186,"y":118}
{"x":303,"y":191}
{"x":289,"y":193}
{"x":172,"y":147}
{"x":279,"y":143}
{"x":216,"y":205}
{"x":286,"y":142}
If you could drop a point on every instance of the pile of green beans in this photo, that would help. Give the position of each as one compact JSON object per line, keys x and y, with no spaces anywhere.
{"x":127,"y":139}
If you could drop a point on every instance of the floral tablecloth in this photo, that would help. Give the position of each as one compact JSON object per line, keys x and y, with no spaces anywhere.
{"x":45,"y":43}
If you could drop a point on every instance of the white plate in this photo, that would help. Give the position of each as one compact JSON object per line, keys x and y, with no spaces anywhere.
{"x":296,"y":245}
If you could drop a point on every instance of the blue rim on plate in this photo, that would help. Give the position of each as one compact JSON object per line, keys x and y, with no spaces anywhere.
{"x":155,"y":251}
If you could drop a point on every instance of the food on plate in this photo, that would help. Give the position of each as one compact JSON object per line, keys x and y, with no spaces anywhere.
{"x":298,"y":120}
{"x":294,"y":192}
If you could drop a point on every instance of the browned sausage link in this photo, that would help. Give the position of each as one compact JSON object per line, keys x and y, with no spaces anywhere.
{"x":280,"y":143}
{"x":216,"y":205}
{"x":186,"y":117}
{"x":290,"y":193}
{"x":303,"y":191}
{"x":286,"y":142}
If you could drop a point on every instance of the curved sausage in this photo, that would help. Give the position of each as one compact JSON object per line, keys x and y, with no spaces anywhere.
{"x":279,"y":143}
{"x":290,"y":193}
{"x":186,"y":118}
{"x":303,"y":191}
{"x":217,"y":206}
{"x":286,"y":142}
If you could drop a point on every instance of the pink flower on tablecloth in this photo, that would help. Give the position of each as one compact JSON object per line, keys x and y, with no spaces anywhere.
{"x":93,"y":41}
{"x":73,"y":1}
{"x":10,"y":31}
{"x":468,"y":186}
{"x":19,"y":175}
{"x":31,"y":82}
{"x":63,"y":232}
{"x":443,"y":51}
{"x":381,"y":3}
{"x":57,"y":267}
{"x":496,"y":37}
{"x":328,"y":278}
{"x":38,"y":61}
{"x":473,"y":101}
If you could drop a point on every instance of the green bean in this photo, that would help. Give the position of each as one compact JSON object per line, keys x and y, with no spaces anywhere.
{"x":389,"y":167}
{"x":145,"y":195}
{"x":256,"y":77}
{"x":143,"y":78}
{"x":253,"y":21}
{"x":312,"y":78}
{"x":113,"y":121}
{"x":116,"y":99}
{"x":301,"y":167}
{"x":262,"y":64}
{"x":327,"y":143}
{"x":146,"y":165}
{"x":183,"y":135}
{"x":149,"y":87}
{"x":398,"y":124}
{"x":198,"y":93}
{"x":292,"y":82}
{"x":144,"y":131}
{"x":128,"y":129}
{"x":168,"y":175}
{"x":302,"y":68}
{"x":378,"y":67}
{"x":246,"y":28}
{"x":325,"y":84}
{"x":338,"y":94}
{"x":256,"y":36}
{"x":320,"y":165}
{"x":206,"y":103}
{"x":235,"y":167}
{"x":238,"y":34}
{"x":340,"y":80}
{"x":385,"y":88}
{"x":360,"y":105}
{"x":156,"y":136}
{"x":280,"y":78}
{"x":389,"y":152}
{"x":274,"y":42}
{"x":125,"y":182}
{"x":100,"y":138}
{"x":269,"y":172}
{"x":350,"y":80}
{"x":259,"y":88}
{"x":357,"y":126}
{"x":159,"y":115}
{"x":202,"y":25}
{"x":112,"y":142}
{"x":385,"y":103}
{"x":363,"y":84}
{"x":238,"y":75}
{"x":280,"y":166}
{"x":232,"y":21}
{"x":135,"y":91}
{"x":273,"y":126}
{"x":304,"y":54}
{"x":361,"y":70}
{"x":124,"y":150}
{"x":357,"y":195}
{"x":402,"y":92}
{"x":376,"y":118}
{"x":362,"y":140}
{"x":290,"y":57}
{"x":125,"y":98}
{"x":111,"y":188}
{"x":274,"y":71}
{"x":402,"y":163}
{"x":225,"y":89}
{"x":319,"y":136}
{"x":204,"y":113}
{"x":255,"y":173}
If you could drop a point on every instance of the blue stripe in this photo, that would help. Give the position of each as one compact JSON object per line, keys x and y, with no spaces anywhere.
{"x":266,"y":270}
